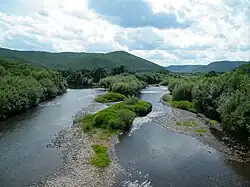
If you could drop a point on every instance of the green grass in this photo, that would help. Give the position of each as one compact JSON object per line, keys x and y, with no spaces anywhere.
{"x":213,"y":122}
{"x":110,"y":97}
{"x":101,"y":158}
{"x":185,"y":105}
{"x":118,"y":117}
{"x":201,"y":130}
{"x":187,"y":123}
{"x":167,"y":98}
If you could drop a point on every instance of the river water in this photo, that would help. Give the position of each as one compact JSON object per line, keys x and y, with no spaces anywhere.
{"x":150,"y":154}
{"x":154,"y":156}
{"x":24,"y":155}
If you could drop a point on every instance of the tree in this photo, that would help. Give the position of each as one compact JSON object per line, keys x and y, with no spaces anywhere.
{"x":98,"y":73}
{"x":119,"y":70}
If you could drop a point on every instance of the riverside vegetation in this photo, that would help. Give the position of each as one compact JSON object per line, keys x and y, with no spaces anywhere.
{"x":115,"y":119}
{"x":118,"y":117}
{"x":23,"y":86}
{"x":222,"y":97}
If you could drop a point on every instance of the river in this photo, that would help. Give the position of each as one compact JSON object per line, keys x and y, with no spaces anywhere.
{"x":25,"y":157}
{"x":150,"y":154}
{"x":154,"y":156}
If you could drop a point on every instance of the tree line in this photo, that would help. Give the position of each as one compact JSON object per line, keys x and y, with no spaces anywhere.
{"x":23,"y":86}
{"x":223,"y":97}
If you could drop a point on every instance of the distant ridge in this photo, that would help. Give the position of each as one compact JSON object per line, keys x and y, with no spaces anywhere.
{"x":71,"y":60}
{"x":183,"y":68}
{"x":217,"y":66}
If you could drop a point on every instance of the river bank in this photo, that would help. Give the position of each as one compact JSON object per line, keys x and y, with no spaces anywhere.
{"x":204,"y":131}
{"x":76,"y":148}
{"x":156,"y":150}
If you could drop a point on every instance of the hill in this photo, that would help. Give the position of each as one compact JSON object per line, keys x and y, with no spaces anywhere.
{"x":218,"y":66}
{"x":183,"y":68}
{"x":70,"y":60}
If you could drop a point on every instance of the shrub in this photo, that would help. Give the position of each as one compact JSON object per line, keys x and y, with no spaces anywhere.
{"x":131,"y":100}
{"x":117,"y":117}
{"x":185,"y":105}
{"x":167,"y":98}
{"x":101,"y":157}
{"x":110,"y":97}
{"x":182,"y":92}
{"x":234,"y":109}
{"x":126,"y":85}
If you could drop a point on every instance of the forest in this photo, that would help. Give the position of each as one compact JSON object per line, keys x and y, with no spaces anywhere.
{"x":223,"y":97}
{"x":23,"y":86}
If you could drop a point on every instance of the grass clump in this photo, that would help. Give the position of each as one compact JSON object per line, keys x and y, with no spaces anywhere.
{"x":213,"y":122}
{"x":110,"y":97}
{"x":101,"y":158}
{"x":118,"y":117}
{"x":185,"y":105}
{"x":187,"y":123}
{"x":201,"y":130}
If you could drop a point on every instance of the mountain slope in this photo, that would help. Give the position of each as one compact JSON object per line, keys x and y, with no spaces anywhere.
{"x":220,"y":66}
{"x":183,"y":68}
{"x":70,"y":60}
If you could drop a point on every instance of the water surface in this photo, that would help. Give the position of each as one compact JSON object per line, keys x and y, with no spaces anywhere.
{"x":25,"y":157}
{"x":154,"y":156}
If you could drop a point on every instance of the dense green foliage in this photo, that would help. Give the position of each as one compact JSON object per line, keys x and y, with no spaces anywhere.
{"x":84,"y":77}
{"x":69,"y":60}
{"x":23,"y":86}
{"x":118,"y":117}
{"x":110,"y":97}
{"x":123,"y":84}
{"x":185,"y":105}
{"x":224,"y":97}
{"x":101,"y":157}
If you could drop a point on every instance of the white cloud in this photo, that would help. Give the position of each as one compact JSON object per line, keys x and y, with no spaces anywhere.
{"x":219,"y":30}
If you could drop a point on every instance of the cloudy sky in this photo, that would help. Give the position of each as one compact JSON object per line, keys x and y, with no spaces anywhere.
{"x":163,"y":31}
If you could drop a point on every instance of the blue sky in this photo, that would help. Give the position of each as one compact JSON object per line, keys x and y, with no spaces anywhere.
{"x":165,"y":32}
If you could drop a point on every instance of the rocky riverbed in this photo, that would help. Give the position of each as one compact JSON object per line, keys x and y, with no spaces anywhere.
{"x":203,"y":130}
{"x":76,"y":149}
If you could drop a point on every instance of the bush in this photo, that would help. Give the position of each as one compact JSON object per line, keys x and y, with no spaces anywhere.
{"x":185,"y":105}
{"x":126,"y":85}
{"x":234,"y":109}
{"x":110,"y":97}
{"x":131,"y":100}
{"x":167,"y":98}
{"x":118,"y":117}
{"x":182,"y":92}
{"x":101,"y":157}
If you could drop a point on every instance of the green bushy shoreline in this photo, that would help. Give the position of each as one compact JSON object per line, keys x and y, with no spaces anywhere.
{"x":112,"y":120}
{"x":110,"y":97}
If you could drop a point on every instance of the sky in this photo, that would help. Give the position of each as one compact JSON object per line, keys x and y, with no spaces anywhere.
{"x":163,"y":31}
